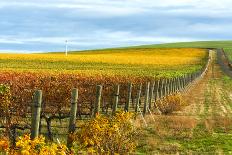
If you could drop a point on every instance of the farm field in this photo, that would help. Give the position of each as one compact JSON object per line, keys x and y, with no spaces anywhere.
{"x":197,"y":120}
{"x":115,"y":77}
{"x":127,"y":62}
{"x":56,"y":74}
{"x":196,"y":44}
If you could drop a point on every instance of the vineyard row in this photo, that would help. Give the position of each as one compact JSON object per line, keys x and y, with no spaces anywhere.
{"x":139,"y":100}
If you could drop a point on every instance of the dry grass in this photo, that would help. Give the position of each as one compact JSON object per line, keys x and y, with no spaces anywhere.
{"x":170,"y":103}
{"x":202,"y":127}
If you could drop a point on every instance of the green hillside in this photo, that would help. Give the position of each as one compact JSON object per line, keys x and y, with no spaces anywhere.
{"x":197,"y":44}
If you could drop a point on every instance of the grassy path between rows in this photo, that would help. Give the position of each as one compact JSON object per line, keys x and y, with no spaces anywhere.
{"x":202,"y":127}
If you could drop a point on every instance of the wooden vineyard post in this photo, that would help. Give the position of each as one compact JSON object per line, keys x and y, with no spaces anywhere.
{"x":72,"y":120}
{"x":185,"y":80}
{"x":188,"y":79}
{"x":194,"y":76}
{"x":36,"y":109}
{"x":158,"y":89}
{"x":182,"y":82}
{"x":126,"y":109}
{"x":156,"y":96}
{"x":191,"y":77}
{"x":165,"y":87}
{"x":170,"y":86}
{"x":177,"y":84}
{"x":116,"y":96}
{"x":174,"y":85}
{"x":151,"y":94}
{"x":138,"y":98}
{"x":98,"y":100}
{"x":161,"y":89}
{"x":146,"y":98}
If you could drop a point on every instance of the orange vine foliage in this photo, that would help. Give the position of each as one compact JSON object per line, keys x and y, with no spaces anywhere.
{"x":57,"y":88}
{"x":108,"y":135}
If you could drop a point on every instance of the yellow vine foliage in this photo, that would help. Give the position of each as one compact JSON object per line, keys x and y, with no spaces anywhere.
{"x":108,"y":135}
{"x":120,"y":56}
{"x":101,"y":135}
{"x":38,"y":146}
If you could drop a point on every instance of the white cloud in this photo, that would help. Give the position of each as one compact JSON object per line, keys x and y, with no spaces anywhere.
{"x":129,"y":37}
{"x":46,"y":24}
{"x":102,"y":7}
{"x":210,"y":28}
{"x":18,"y":51}
{"x":6,"y":40}
{"x":127,"y":7}
{"x":108,"y":38}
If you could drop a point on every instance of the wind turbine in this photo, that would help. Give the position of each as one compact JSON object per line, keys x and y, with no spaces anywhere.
{"x":66,"y":47}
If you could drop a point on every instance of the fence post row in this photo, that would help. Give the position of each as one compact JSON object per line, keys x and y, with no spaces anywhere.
{"x":116,"y":96}
{"x":36,"y":109}
{"x":126,"y":109}
{"x":98,"y":100}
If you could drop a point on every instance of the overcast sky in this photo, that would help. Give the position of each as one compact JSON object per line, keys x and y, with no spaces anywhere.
{"x":44,"y":25}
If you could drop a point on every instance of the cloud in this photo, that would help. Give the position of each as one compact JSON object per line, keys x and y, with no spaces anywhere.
{"x":108,"y":39}
{"x":44,"y":25}
{"x":19,"y":51}
{"x":10,"y":41}
{"x":129,"y":7}
{"x":102,"y":7}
